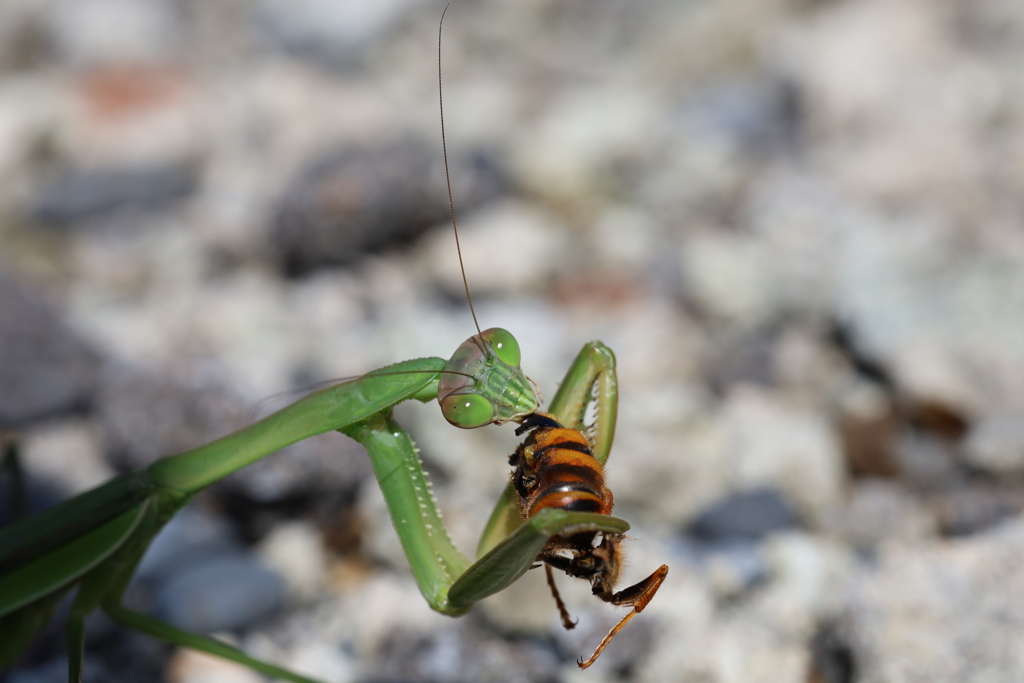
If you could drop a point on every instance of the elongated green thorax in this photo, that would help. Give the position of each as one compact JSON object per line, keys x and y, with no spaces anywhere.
{"x":483,"y":383}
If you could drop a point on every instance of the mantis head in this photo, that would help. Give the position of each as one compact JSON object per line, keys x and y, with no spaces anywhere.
{"x":483,"y":383}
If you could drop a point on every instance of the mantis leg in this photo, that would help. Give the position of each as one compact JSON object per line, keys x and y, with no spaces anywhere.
{"x":104,"y":587}
{"x":512,"y":557}
{"x":450,"y":584}
{"x":22,"y":625}
{"x":333,"y":408}
{"x":590,"y":381}
{"x":74,"y":632}
{"x":173,"y":634}
{"x":434,"y":559}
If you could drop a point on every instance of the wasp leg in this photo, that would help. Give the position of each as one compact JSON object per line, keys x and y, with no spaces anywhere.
{"x":567,"y":621}
{"x":638,"y":596}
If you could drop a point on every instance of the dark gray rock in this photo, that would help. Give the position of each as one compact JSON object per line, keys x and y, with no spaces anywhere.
{"x":220,"y":593}
{"x":189,"y":538}
{"x":80,"y":194}
{"x":46,"y":369}
{"x":370,"y":198}
{"x":976,"y":508}
{"x":763,"y":115}
{"x":145,"y":416}
{"x":748,"y":515}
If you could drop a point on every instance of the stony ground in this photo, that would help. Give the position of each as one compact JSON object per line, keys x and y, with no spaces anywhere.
{"x":798,"y":223}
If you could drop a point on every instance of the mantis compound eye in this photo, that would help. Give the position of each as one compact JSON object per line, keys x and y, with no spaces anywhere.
{"x":482,"y":382}
{"x":467,"y":411}
{"x":504,"y":344}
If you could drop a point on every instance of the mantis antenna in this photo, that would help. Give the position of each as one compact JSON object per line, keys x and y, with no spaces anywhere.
{"x":448,"y":180}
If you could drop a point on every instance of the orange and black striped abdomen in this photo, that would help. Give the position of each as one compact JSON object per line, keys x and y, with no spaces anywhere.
{"x":557,"y":470}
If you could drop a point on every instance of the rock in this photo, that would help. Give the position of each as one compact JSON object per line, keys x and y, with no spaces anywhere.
{"x":190,"y":536}
{"x":808,"y":583}
{"x":328,"y":30}
{"x":467,"y":652}
{"x":976,"y":508}
{"x":877,"y":511}
{"x":786,"y":447}
{"x":730,"y":278}
{"x":733,"y":568}
{"x":868,"y":427}
{"x":296,"y":552}
{"x":369,"y":198}
{"x":105,"y":31}
{"x":125,"y":657}
{"x":996,"y":445}
{"x":491,"y":269}
{"x":76,"y":195}
{"x":761,"y":115}
{"x":745,"y":516}
{"x":68,"y":454}
{"x":320,"y":470}
{"x":145,"y":416}
{"x":191,"y":666}
{"x":942,"y":611}
{"x":928,"y":463}
{"x":223,"y":592}
{"x":745,"y":358}
{"x":46,"y":369}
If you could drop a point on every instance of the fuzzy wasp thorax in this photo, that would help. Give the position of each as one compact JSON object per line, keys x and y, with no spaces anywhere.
{"x":555,"y":468}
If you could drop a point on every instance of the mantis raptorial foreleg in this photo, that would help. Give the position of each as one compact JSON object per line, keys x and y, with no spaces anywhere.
{"x":446,"y":578}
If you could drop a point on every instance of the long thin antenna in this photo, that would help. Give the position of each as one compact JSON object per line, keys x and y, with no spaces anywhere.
{"x":447,"y":174}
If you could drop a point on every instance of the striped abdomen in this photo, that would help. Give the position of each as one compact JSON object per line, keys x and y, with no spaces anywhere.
{"x":557,"y":470}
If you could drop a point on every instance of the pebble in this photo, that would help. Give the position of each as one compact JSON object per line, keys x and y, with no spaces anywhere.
{"x":44,"y":456}
{"x":102,"y":31}
{"x":77,"y":195}
{"x":220,"y":592}
{"x":744,"y":516}
{"x":996,"y":445}
{"x":878,"y":511}
{"x":296,"y":552}
{"x":47,"y":369}
{"x":329,"y":31}
{"x":371,"y":197}
{"x":787,"y":447}
{"x":942,"y":611}
{"x":190,"y":666}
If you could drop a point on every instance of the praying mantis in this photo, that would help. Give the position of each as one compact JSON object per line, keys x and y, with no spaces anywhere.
{"x":94,"y":541}
{"x":91,"y":544}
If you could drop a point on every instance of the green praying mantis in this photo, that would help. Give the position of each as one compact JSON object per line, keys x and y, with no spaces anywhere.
{"x":90,"y":545}
{"x":93,"y":542}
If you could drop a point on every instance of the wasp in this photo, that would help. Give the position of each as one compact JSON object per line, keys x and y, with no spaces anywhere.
{"x":555,"y":468}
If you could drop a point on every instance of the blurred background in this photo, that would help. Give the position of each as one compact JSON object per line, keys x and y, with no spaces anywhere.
{"x":798,"y":223}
